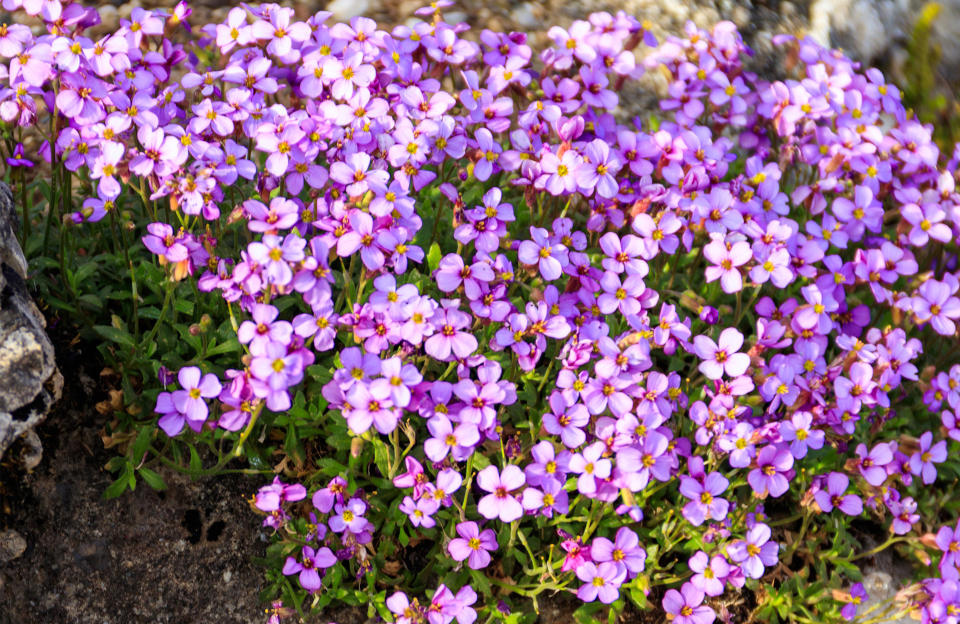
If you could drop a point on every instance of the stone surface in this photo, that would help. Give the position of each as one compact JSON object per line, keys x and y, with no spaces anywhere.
{"x":343,"y":10}
{"x":30,"y":381}
{"x":12,"y":545}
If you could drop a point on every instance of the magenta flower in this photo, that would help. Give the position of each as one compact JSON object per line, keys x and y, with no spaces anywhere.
{"x":801,"y":436}
{"x":420,"y":511}
{"x":549,"y":257}
{"x":686,"y":606}
{"x":599,"y":170}
{"x":725,"y":262}
{"x":857,"y":596}
{"x":709,"y":573}
{"x":270,"y":497}
{"x":703,"y":493}
{"x":189,"y":400}
{"x":755,"y":552}
{"x":450,"y":339}
{"x":768,"y":477}
{"x":164,"y":244}
{"x":473,"y":545}
{"x":500,"y":503}
{"x":354,"y":172}
{"x":601,"y":581}
{"x":923,"y":460}
{"x":834,"y":496}
{"x":625,"y":551}
{"x":722,"y":357}
{"x":459,"y":441}
{"x":311,"y":561}
{"x":590,"y":465}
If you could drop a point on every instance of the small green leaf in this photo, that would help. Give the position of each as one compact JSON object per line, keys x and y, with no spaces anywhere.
{"x":195,"y":464}
{"x":113,"y":334}
{"x":433,"y":257}
{"x":141,"y":443}
{"x":153,"y":479}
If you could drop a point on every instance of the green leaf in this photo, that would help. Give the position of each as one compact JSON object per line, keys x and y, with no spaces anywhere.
{"x":584,"y":615}
{"x":141,"y":443}
{"x":381,"y":455}
{"x":113,"y":334}
{"x":433,"y":257}
{"x":119,"y":486}
{"x":153,"y":479}
{"x":229,"y":346}
{"x":195,"y":464}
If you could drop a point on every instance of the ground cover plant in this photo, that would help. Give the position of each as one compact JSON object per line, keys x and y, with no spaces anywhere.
{"x":491,"y":340}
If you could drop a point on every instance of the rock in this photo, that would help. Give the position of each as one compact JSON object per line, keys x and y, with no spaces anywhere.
{"x":31,"y":382}
{"x":525,"y":16}
{"x":12,"y":545}
{"x":343,"y":10}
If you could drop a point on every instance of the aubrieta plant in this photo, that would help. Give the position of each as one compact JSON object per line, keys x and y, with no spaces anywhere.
{"x":499,"y":343}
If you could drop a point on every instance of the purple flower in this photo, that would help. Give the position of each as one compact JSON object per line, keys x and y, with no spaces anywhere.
{"x":724,"y":263}
{"x":834,"y":496}
{"x":458,"y":441}
{"x":420,"y":511}
{"x":450,"y":338}
{"x":189,"y":400}
{"x":599,"y":169}
{"x":686,"y":606}
{"x":859,"y":387}
{"x":768,"y":477}
{"x":500,"y":503}
{"x":164,"y":244}
{"x":722,"y":357}
{"x":872,"y":465}
{"x":708,"y":573}
{"x":354,"y":172}
{"x":311,"y":561}
{"x":473,"y":545}
{"x":922,"y":462}
{"x":755,"y":552}
{"x":270,"y":497}
{"x":548,"y":498}
{"x":703,"y":494}
{"x":549,"y":257}
{"x":937,"y":304}
{"x":452,"y":272}
{"x":622,"y":296}
{"x":625,"y":551}
{"x":348,"y":517}
{"x":590,"y":465}
{"x":600,"y":581}
{"x":371,"y":406}
{"x":798,"y":432}
{"x":857,"y":596}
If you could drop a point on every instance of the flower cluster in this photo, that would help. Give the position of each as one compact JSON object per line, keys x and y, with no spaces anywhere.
{"x":557,"y":348}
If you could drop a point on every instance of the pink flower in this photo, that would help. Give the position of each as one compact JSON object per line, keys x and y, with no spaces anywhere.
{"x":723,"y":357}
{"x":473,"y":545}
{"x":500,"y":503}
{"x":725,"y":262}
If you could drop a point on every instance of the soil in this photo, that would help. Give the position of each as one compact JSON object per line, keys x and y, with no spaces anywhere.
{"x":183,"y":555}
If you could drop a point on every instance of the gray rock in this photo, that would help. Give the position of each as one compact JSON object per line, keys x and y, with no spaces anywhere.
{"x":29,"y":380}
{"x":12,"y":545}
{"x":343,"y":10}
